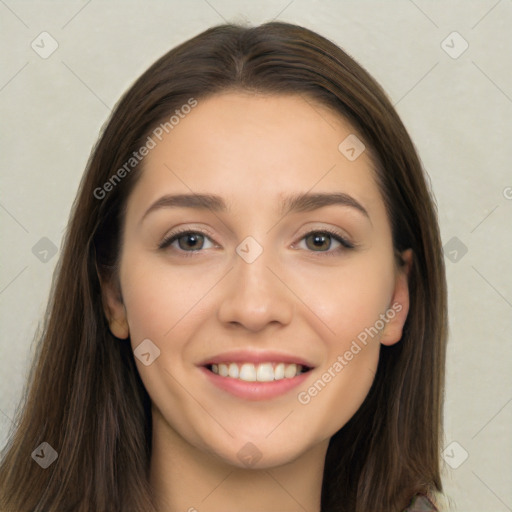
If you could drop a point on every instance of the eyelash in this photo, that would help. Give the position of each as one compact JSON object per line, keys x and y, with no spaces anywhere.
{"x":345,"y":244}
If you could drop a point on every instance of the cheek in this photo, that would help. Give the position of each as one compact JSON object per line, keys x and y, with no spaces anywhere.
{"x":349,"y":298}
{"x":351,"y":305}
{"x":350,"y":308}
{"x":165,"y":307}
{"x":158,"y":299}
{"x":150,"y":308}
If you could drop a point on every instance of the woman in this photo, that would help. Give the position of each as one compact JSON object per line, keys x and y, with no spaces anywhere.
{"x":250,"y":307}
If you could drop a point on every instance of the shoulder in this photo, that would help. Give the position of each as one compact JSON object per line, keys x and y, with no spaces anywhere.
{"x":421,"y":503}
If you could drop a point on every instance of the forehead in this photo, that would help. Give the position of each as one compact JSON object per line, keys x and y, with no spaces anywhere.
{"x":254,"y":148}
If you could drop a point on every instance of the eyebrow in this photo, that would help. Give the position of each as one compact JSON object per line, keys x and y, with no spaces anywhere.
{"x":303,"y":202}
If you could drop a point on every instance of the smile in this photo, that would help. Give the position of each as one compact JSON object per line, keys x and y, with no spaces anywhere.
{"x":262,"y":372}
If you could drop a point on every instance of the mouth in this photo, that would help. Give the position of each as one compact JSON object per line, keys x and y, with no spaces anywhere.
{"x":256,"y":375}
{"x":260,"y":372}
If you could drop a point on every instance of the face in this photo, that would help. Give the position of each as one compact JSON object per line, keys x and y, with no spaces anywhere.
{"x":253,"y":282}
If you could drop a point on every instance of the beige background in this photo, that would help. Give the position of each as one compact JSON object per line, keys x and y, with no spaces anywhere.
{"x":457,"y":107}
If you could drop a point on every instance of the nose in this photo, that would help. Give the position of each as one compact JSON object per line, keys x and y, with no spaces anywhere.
{"x":255,"y":294}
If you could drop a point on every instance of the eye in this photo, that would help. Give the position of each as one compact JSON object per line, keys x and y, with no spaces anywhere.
{"x":187,"y":240}
{"x":322,"y":239}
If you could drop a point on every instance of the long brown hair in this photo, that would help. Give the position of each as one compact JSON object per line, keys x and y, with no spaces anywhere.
{"x":84,"y":396}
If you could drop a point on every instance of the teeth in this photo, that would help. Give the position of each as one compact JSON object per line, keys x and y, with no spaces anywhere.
{"x":247,"y":372}
{"x":290,"y":371}
{"x":233,"y":371}
{"x":263,"y":372}
{"x":279,"y":371}
{"x":223,"y":370}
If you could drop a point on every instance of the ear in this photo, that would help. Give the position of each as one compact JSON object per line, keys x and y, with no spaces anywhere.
{"x":392,"y":332}
{"x":114,"y":308}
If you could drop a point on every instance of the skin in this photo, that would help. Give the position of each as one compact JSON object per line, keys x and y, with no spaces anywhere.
{"x":312,"y":302}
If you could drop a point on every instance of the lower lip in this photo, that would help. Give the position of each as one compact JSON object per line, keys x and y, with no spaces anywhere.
{"x":254,"y":390}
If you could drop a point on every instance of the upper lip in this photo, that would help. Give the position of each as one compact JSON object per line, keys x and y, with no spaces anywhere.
{"x":255,"y":357}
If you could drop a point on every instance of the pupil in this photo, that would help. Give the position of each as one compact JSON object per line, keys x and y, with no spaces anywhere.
{"x":319,"y":240}
{"x":191,"y":238}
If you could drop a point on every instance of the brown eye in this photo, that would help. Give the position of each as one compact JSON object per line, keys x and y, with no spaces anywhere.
{"x":191,"y":241}
{"x":318,"y":240}
{"x":185,"y":241}
{"x":321,"y":242}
